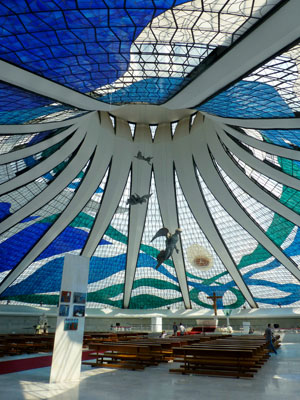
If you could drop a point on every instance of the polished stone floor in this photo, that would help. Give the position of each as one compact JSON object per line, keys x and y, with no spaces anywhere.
{"x":278,"y":379}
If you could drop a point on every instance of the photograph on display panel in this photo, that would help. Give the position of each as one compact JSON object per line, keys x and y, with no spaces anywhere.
{"x":79,"y":297}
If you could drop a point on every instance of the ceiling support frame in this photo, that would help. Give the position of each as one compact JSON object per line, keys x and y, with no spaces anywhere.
{"x":55,"y":187}
{"x":282,"y":29}
{"x":260,"y":166}
{"x":27,"y":80}
{"x":166,"y":194}
{"x":267,"y":147}
{"x":140,"y":184}
{"x":257,"y":123}
{"x":46,"y":165}
{"x":83,"y":194}
{"x":120,"y":145}
{"x":24,"y":129}
{"x":15,"y":155}
{"x":227,"y":201}
{"x":247,"y":185}
{"x":196,"y":201}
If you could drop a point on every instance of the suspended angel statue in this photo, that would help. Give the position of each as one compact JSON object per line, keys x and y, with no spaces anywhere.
{"x":171,"y":241}
{"x":136,"y":199}
{"x":140,"y":156}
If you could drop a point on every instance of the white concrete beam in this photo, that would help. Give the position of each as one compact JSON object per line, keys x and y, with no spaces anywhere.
{"x":259,"y":165}
{"x":41,"y":126}
{"x":228,"y":202}
{"x":246,"y":184}
{"x":140,"y":184}
{"x":56,"y":186}
{"x":83,"y":194}
{"x":27,"y":80}
{"x":46,"y":165}
{"x":272,"y":35}
{"x":120,"y":145}
{"x":184,"y":166}
{"x":258,"y":144}
{"x":36,"y":148}
{"x":164,"y":180}
{"x":257,"y":123}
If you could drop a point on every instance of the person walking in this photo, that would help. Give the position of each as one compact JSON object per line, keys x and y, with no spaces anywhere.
{"x":175,"y":329}
{"x":269,"y":338}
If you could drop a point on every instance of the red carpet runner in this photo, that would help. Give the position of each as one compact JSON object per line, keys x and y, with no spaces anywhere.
{"x":23,"y":364}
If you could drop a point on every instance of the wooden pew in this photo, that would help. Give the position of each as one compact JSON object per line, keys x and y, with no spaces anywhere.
{"x":231,"y":357}
{"x":116,"y":355}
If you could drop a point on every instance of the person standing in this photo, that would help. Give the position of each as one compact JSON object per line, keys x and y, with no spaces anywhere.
{"x":182,"y":329}
{"x":269,"y":338}
{"x":175,"y":329}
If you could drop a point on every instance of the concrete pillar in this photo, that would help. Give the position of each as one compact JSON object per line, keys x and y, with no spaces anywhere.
{"x":156,"y":324}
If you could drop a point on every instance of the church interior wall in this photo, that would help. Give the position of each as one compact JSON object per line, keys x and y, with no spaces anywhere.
{"x":25,"y":323}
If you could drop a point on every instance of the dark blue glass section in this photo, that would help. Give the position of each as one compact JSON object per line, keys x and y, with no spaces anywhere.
{"x":18,"y":105}
{"x":4,"y":210}
{"x":70,"y":239}
{"x":248,"y":100}
{"x":11,"y":253}
{"x":279,"y":136}
{"x":48,"y":278}
{"x":72,"y":42}
{"x":152,"y":90}
{"x":13,"y":98}
{"x":16,"y":117}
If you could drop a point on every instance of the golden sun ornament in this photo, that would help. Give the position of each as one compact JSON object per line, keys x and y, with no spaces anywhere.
{"x":199,"y":257}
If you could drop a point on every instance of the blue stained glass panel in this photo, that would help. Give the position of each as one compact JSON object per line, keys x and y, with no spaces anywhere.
{"x":53,"y":35}
{"x":154,"y":90}
{"x":13,"y":100}
{"x":248,"y":100}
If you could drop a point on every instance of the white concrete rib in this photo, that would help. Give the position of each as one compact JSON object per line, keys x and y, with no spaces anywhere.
{"x":27,"y":80}
{"x":83,"y":194}
{"x":41,"y":126}
{"x":225,"y":198}
{"x":164,"y":180}
{"x":257,"y":123}
{"x":190,"y":186}
{"x":56,"y":186}
{"x":46,"y":165}
{"x":273,"y":34}
{"x":120,"y":145}
{"x":36,"y":148}
{"x":270,"y":148}
{"x":140,"y":184}
{"x":246,"y":184}
{"x":259,"y":165}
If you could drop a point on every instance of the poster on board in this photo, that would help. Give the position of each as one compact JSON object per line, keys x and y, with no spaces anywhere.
{"x":78,"y":311}
{"x":71,"y":324}
{"x":79,"y":298}
{"x":64,"y":310}
{"x":65,"y":296}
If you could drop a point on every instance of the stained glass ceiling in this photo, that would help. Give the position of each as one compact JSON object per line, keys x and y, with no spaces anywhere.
{"x":118,"y":119}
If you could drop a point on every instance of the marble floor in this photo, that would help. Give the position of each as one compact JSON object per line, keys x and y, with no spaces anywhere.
{"x":278,"y":379}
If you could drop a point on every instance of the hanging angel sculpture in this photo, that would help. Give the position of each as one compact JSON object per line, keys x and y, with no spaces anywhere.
{"x":171,"y":241}
{"x":136,"y":199}
{"x":140,"y":156}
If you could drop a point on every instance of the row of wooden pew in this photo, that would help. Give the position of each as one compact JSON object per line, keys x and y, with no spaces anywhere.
{"x":238,"y":356}
{"x":221,"y":355}
{"x":16,"y":344}
{"x":138,"y":352}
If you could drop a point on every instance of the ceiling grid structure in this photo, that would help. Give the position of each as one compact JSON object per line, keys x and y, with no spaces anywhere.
{"x":118,"y":119}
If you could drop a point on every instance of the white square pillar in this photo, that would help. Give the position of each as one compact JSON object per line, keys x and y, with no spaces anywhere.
{"x":67,"y":351}
{"x":156,"y":324}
